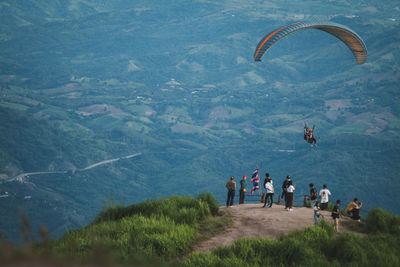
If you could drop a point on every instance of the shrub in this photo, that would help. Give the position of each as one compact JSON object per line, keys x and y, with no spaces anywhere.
{"x":182,"y":209}
{"x":211,"y":201}
{"x":380,"y":221}
{"x":154,"y":237}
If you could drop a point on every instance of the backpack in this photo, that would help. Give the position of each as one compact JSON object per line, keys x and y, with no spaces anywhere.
{"x":265,"y":182}
{"x":285,"y":185}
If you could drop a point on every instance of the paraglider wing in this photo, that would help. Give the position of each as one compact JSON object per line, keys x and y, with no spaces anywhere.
{"x":347,"y":36}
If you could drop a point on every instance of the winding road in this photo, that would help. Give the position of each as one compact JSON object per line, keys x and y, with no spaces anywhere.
{"x":20,"y":177}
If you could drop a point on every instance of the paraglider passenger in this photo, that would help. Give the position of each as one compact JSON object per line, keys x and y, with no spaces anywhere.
{"x":242,"y":190}
{"x":231,"y":186}
{"x":306,"y":133}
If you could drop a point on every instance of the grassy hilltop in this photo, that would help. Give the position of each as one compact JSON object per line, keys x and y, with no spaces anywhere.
{"x":163,"y":232}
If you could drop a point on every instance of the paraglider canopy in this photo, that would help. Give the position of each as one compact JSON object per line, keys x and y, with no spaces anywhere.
{"x":346,"y":35}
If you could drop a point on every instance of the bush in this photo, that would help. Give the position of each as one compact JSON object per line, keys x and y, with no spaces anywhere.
{"x":160,"y":230}
{"x":380,"y":221}
{"x":155,"y":237}
{"x":211,"y":201}
{"x":182,"y":209}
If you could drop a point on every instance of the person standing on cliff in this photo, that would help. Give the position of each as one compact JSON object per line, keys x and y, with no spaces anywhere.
{"x":289,"y":196}
{"x":242,"y":190}
{"x":324,"y":196}
{"x":317,"y":213}
{"x":231,"y":186}
{"x":270,"y":191}
{"x":284,"y":187}
{"x":313,"y":195}
{"x":336,"y":215}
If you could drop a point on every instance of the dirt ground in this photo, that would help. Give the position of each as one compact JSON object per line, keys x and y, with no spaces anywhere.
{"x":252,"y":220}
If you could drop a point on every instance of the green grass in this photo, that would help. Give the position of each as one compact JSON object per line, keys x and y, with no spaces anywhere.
{"x":162,"y":233}
{"x":151,"y":232}
{"x":212,"y":226}
{"x":314,"y":246}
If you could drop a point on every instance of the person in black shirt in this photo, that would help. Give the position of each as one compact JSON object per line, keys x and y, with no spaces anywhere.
{"x":231,"y":186}
{"x":285,"y":186}
{"x":336,"y":215}
{"x":313,"y":195}
{"x":242,"y":189}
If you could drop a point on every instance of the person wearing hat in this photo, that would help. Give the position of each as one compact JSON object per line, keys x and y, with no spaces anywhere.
{"x":289,"y":196}
{"x":270,"y":191}
{"x":242,"y":190}
{"x":231,"y":186}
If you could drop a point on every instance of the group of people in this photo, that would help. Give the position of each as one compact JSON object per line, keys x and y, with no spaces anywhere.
{"x":353,"y":209}
{"x":288,"y":188}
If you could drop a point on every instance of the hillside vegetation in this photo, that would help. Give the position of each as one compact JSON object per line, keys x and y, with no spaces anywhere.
{"x":163,"y":232}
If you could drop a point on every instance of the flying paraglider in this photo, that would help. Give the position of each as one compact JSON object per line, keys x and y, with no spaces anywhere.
{"x":346,"y":35}
{"x":309,"y":135}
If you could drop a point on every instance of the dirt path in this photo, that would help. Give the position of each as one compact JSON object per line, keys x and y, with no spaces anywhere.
{"x":251,"y":220}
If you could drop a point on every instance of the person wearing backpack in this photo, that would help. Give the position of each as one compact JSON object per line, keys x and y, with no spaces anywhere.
{"x":336,"y":215}
{"x":231,"y":186}
{"x":270,"y":191}
{"x":313,"y":195}
{"x":284,"y":187}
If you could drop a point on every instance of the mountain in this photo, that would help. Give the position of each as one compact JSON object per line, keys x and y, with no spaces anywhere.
{"x":86,"y":82}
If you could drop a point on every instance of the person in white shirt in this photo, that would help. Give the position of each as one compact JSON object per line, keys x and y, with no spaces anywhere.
{"x":270,"y":191}
{"x":324,"y":197}
{"x":317,"y":214}
{"x":289,"y":196}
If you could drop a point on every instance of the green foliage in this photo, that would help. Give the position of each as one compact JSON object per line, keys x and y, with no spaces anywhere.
{"x":314,"y":246}
{"x":380,"y":221}
{"x":151,"y":231}
{"x":213,"y":225}
{"x":212,"y":203}
{"x":152,"y":237}
{"x":182,"y":209}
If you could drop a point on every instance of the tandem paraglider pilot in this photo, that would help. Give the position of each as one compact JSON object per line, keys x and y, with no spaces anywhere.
{"x":231,"y":186}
